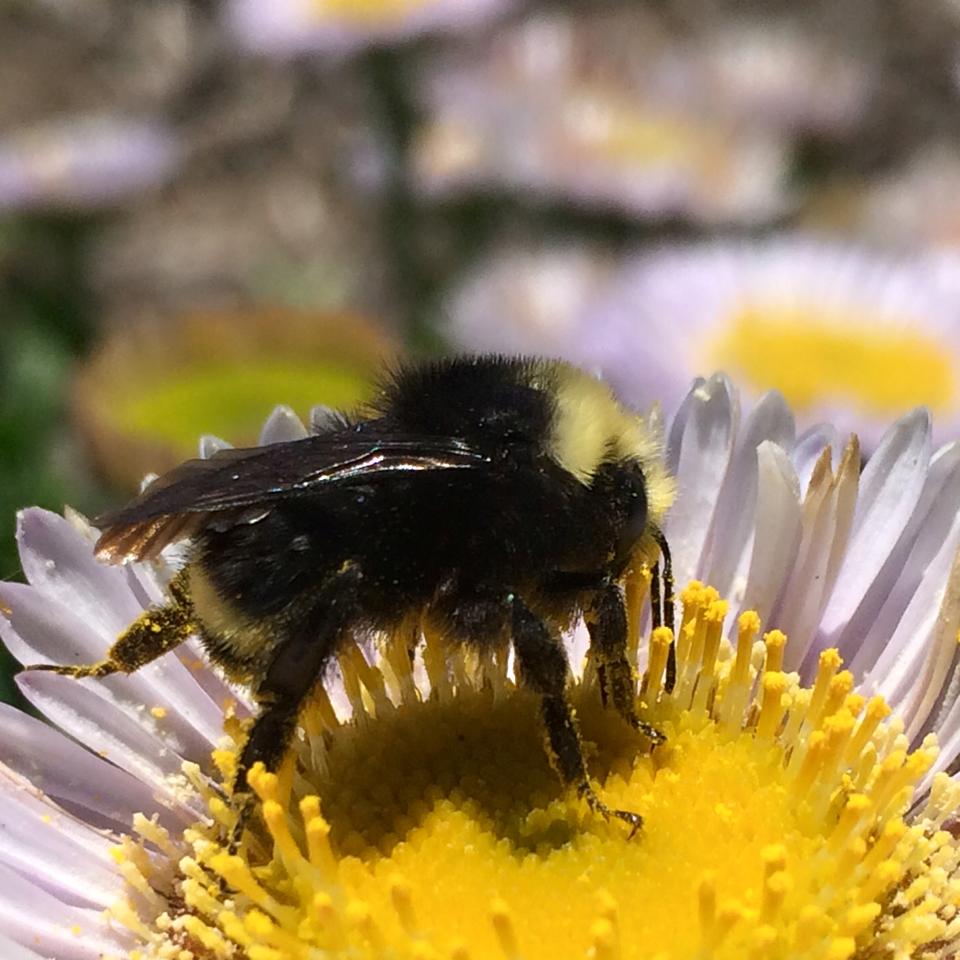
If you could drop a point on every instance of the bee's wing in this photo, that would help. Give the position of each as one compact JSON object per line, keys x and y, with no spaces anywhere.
{"x":180,"y":503}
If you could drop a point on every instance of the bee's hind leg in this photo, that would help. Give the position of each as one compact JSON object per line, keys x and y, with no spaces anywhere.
{"x":155,"y":632}
{"x":543,"y":668}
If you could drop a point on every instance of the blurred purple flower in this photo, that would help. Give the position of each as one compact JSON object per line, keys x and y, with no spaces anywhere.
{"x":551,"y":110}
{"x":289,"y":27}
{"x":848,"y":336}
{"x":83,"y":161}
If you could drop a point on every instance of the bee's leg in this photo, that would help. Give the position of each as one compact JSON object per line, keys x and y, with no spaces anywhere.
{"x":607,"y":622}
{"x":668,"y":616}
{"x":155,"y":632}
{"x":543,"y":668}
{"x":294,"y":669}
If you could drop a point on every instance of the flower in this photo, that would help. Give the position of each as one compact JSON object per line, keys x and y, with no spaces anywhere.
{"x":84,"y":160}
{"x":850,"y":336}
{"x":287,"y":27}
{"x":787,"y":815}
{"x":573,"y":109}
{"x":141,"y":399}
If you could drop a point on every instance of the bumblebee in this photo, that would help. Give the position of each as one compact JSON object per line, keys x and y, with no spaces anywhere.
{"x":489,"y":499}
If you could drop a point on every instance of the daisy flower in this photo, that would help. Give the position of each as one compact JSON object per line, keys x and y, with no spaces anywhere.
{"x":288,"y":27}
{"x":83,"y":161}
{"x":848,"y":336}
{"x":587,"y":111}
{"x":797,"y":810}
{"x":147,"y":391}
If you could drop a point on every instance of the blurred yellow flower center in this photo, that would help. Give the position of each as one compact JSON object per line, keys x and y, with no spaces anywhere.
{"x":365,"y":10}
{"x":815,"y":355}
{"x":230,"y":397}
{"x":628,"y":134}
{"x":775,"y":823}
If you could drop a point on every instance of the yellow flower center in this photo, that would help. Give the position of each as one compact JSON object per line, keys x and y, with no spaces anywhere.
{"x":365,"y":11}
{"x":228,"y":397}
{"x":629,"y":135}
{"x":775,"y":823}
{"x":817,"y":354}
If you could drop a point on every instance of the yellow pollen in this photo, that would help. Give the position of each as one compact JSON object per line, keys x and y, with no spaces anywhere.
{"x":815,"y":354}
{"x":777,"y":822}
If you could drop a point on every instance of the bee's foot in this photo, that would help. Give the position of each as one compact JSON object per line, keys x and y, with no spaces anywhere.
{"x":655,"y":736}
{"x":641,"y":726}
{"x":598,"y":806}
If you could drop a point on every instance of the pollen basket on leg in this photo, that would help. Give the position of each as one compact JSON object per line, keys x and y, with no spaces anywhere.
{"x":775,"y":820}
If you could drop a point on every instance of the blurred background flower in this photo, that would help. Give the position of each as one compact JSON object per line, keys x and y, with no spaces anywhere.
{"x":247,"y":203}
{"x":848,"y":334}
{"x":286,"y":27}
{"x":596,"y":110}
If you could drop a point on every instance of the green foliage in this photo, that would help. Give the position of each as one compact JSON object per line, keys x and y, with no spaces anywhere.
{"x":42,"y":306}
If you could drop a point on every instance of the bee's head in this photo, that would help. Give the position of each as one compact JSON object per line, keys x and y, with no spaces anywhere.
{"x":595,"y":438}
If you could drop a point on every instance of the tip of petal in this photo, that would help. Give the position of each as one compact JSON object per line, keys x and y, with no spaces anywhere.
{"x":282,"y":425}
{"x":211,"y":444}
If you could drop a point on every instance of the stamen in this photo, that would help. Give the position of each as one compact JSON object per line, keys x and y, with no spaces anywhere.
{"x":660,"y":641}
{"x":503,"y":926}
{"x":636,"y":589}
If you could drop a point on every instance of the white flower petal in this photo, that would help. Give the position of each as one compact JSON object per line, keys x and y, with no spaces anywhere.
{"x":76,"y":706}
{"x":918,"y":568}
{"x":11,"y":950}
{"x":31,"y":916}
{"x":700,"y":455}
{"x":729,"y":551}
{"x":890,"y":488}
{"x":777,"y":528}
{"x":827,"y":517}
{"x":323,"y":418}
{"x":218,"y":691}
{"x":282,"y":425}
{"x":59,"y":563}
{"x":936,"y":688}
{"x":34,"y":802}
{"x":73,"y":775}
{"x":41,"y":630}
{"x":211,"y":444}
{"x":145,"y":583}
{"x":291,"y":27}
{"x":40,"y":841}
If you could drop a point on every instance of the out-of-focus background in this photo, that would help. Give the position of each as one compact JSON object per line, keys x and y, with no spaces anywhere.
{"x":209,"y":208}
